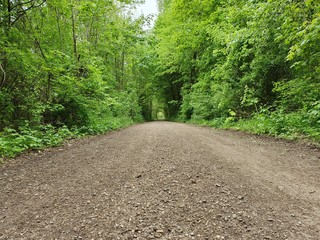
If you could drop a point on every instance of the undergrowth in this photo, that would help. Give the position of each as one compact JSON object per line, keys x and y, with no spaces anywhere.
{"x":292,"y":126}
{"x":13,"y":142}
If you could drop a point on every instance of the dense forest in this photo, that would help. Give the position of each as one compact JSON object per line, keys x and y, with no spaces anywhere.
{"x":69,"y":67}
{"x":75,"y":67}
{"x":251,"y":65}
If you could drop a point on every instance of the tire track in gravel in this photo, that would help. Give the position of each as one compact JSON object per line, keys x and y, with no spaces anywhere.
{"x":163,"y":180}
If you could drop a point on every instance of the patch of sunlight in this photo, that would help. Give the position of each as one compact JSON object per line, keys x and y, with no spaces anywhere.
{"x":160,"y":116}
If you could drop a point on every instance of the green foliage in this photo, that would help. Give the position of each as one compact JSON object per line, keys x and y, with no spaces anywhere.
{"x":104,"y":125}
{"x":13,"y":142}
{"x":242,"y":55}
{"x":295,"y":125}
{"x":86,"y":66}
{"x":89,"y":66}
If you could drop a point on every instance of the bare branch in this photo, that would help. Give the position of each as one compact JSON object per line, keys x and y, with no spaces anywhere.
{"x":21,"y":4}
{"x":23,"y":12}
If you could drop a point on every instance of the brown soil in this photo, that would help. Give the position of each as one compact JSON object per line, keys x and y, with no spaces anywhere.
{"x":163,"y":180}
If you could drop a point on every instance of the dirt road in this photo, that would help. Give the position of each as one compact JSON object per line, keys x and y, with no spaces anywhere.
{"x":163,"y":180}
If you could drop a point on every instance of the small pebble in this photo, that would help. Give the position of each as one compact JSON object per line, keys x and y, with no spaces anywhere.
{"x":240,"y":197}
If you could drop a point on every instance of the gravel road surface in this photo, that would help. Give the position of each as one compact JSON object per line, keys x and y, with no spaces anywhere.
{"x":163,"y":180}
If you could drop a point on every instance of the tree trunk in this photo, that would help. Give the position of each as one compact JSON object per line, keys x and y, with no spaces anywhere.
{"x":122,"y":69}
{"x":74,"y":36}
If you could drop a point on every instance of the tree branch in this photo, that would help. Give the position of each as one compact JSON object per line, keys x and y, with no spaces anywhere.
{"x":21,"y":4}
{"x":23,"y":12}
{"x":4,"y":76}
{"x":40,"y":48}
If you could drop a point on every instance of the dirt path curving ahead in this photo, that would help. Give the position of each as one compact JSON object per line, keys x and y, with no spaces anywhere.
{"x":163,"y":180}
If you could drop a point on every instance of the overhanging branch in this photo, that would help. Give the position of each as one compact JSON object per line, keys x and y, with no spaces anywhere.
{"x":24,"y":11}
{"x":21,"y":4}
